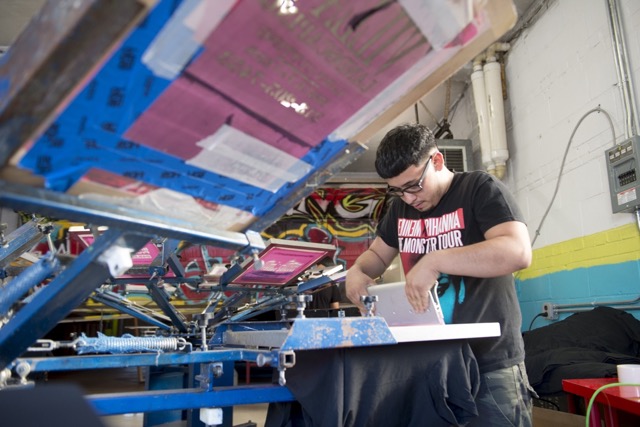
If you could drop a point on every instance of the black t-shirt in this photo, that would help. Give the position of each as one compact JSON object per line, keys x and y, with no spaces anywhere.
{"x":324,"y":297}
{"x":474,"y":203}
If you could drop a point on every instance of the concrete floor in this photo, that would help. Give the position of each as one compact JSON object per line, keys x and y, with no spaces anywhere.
{"x":131,"y":379}
{"x":241,"y":414}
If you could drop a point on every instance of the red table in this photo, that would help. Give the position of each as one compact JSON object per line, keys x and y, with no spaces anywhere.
{"x":609,"y":399}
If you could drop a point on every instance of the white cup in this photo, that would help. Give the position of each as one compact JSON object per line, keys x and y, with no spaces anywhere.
{"x":629,"y":374}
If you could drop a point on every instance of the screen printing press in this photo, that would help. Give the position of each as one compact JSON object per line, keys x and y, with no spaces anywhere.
{"x":155,"y":125}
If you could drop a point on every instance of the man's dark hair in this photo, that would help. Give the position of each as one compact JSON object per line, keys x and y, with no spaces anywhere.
{"x":403,"y":146}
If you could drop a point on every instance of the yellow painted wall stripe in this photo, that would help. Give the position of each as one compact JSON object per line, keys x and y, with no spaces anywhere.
{"x":613,"y":246}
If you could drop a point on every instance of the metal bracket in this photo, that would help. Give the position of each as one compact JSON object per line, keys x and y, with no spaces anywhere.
{"x":286,"y":359}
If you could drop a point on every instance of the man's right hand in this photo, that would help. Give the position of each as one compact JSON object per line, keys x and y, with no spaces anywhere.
{"x":371,"y":263}
{"x":356,"y":285}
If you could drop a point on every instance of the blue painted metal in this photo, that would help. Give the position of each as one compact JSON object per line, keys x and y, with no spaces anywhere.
{"x":66,"y":292}
{"x":218,"y":336}
{"x":168,"y":257}
{"x":231,"y":273}
{"x":175,"y":265}
{"x":19,"y":241}
{"x":319,"y":333}
{"x":225,"y":310}
{"x":313,"y":283}
{"x":263,"y":307}
{"x":121,"y":304}
{"x":71,"y":363}
{"x":209,"y":377}
{"x":193,"y":415}
{"x":59,"y":205}
{"x":124,"y":403}
{"x":314,"y":333}
{"x":192,"y":280}
{"x":160,"y":297}
{"x":61,"y":33}
{"x":161,"y":379}
{"x":31,"y":277}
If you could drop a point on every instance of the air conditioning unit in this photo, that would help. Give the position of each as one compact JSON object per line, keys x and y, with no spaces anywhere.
{"x":458,"y":154}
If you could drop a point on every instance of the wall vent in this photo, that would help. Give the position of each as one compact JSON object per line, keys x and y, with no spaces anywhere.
{"x":458,"y":155}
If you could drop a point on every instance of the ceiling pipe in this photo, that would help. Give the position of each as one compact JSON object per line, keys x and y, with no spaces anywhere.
{"x":486,"y":82}
{"x":482,"y":113}
{"x":496,"y":47}
{"x":495,"y":107}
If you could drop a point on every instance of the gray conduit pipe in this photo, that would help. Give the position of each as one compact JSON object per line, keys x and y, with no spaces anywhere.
{"x":596,"y":304}
{"x":580,"y":310}
{"x":622,"y":67}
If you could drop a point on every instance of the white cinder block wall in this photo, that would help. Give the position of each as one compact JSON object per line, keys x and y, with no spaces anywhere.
{"x":558,"y":69}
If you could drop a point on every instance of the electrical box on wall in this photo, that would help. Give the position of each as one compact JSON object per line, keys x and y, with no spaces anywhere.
{"x":623,"y":162}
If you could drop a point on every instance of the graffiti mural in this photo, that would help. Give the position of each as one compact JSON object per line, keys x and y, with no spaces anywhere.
{"x":344,"y":217}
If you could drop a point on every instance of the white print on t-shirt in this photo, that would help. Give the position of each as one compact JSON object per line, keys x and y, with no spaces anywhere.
{"x":421,"y":236}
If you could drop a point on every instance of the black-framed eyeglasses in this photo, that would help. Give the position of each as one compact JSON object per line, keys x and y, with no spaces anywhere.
{"x":413,"y":188}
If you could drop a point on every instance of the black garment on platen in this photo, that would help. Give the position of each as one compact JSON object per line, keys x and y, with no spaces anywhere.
{"x":404,"y":385}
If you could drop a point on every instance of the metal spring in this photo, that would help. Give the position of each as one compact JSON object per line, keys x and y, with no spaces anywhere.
{"x":128,"y":344}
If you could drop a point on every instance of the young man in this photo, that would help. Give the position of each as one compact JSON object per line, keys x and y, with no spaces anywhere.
{"x":465,"y":232}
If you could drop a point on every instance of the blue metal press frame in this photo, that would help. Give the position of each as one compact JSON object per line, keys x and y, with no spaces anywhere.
{"x":233,"y":336}
{"x":209,"y":395}
{"x":129,"y":229}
